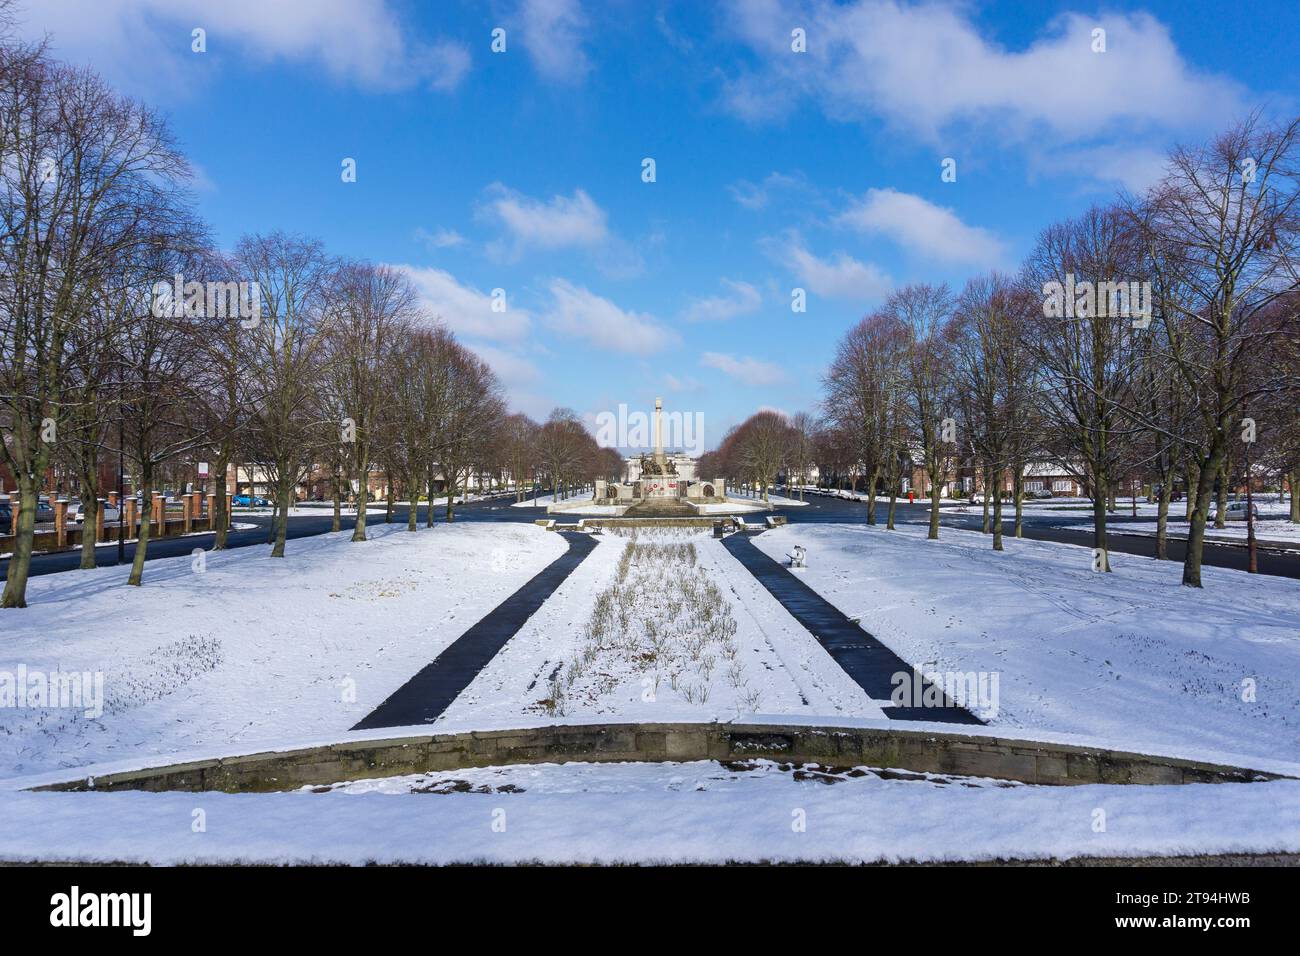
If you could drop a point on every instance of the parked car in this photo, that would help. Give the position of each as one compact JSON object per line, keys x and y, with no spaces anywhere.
{"x":245,"y":501}
{"x":44,"y":513}
{"x":977,"y":498}
{"x":1235,"y":511}
{"x":111,"y":513}
{"x":1041,"y":493}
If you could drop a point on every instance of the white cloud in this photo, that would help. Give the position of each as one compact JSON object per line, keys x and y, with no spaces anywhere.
{"x":744,"y":368}
{"x":743,"y":300}
{"x":557,"y":223}
{"x":552,"y":33}
{"x":925,"y":66}
{"x":839,"y":277}
{"x":513,"y":370}
{"x":755,"y":196}
{"x":921,"y":226}
{"x":464,"y":309}
{"x":579,"y":312}
{"x":676,"y":384}
{"x":144,"y":45}
{"x":440,"y":239}
{"x":1134,"y":169}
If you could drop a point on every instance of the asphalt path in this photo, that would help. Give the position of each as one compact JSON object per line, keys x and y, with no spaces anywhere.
{"x":1040,"y":523}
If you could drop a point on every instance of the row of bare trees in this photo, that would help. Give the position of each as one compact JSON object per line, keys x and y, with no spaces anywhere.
{"x":1148,"y":342}
{"x":124,"y":334}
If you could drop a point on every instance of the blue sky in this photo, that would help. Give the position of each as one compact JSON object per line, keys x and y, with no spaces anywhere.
{"x":775,"y":170}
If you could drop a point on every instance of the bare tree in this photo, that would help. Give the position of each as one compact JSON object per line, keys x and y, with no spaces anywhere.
{"x":286,"y":353}
{"x":88,"y":177}
{"x":1222,"y":230}
{"x":1087,"y":348}
{"x":922,"y":311}
{"x":369,"y":308}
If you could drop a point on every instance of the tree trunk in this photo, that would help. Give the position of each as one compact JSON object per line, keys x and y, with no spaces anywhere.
{"x":24,"y":530}
{"x":413,"y":518}
{"x":146,"y":525}
{"x":1193,"y":477}
{"x":283,"y":493}
{"x":336,"y":496}
{"x":1099,"y":528}
{"x":220,"y":508}
{"x":997,"y":517}
{"x":1196,"y":534}
{"x":363,"y":500}
{"x":893,"y":502}
{"x":451,"y":495}
{"x":1295,"y":502}
{"x":934,"y":506}
{"x":89,"y":509}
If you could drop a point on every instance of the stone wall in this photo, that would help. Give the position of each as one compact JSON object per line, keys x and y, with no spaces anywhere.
{"x":915,"y":750}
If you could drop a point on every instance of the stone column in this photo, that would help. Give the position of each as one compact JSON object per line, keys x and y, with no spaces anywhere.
{"x":159,"y":512}
{"x":212,"y":512}
{"x":112,"y":498}
{"x":659,"y":428}
{"x":61,"y":522}
{"x":99,"y":522}
{"x":187,"y":507}
{"x":128,"y":515}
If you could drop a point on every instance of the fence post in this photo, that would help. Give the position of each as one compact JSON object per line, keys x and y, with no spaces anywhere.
{"x":61,"y":522}
{"x":99,"y":522}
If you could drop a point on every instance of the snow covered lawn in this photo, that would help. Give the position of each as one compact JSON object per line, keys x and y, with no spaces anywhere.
{"x":1129,"y":657}
{"x":648,"y":813}
{"x":643,"y":662}
{"x":249,"y":648}
{"x":1270,"y":529}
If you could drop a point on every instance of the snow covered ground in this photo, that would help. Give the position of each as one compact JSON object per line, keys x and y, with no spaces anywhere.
{"x":249,"y":648}
{"x":1128,"y":656}
{"x":249,"y":653}
{"x":642,"y":667}
{"x":1268,"y":528}
{"x":651,"y":813}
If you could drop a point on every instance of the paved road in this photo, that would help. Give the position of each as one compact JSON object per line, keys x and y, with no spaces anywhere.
{"x":1040,"y":524}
